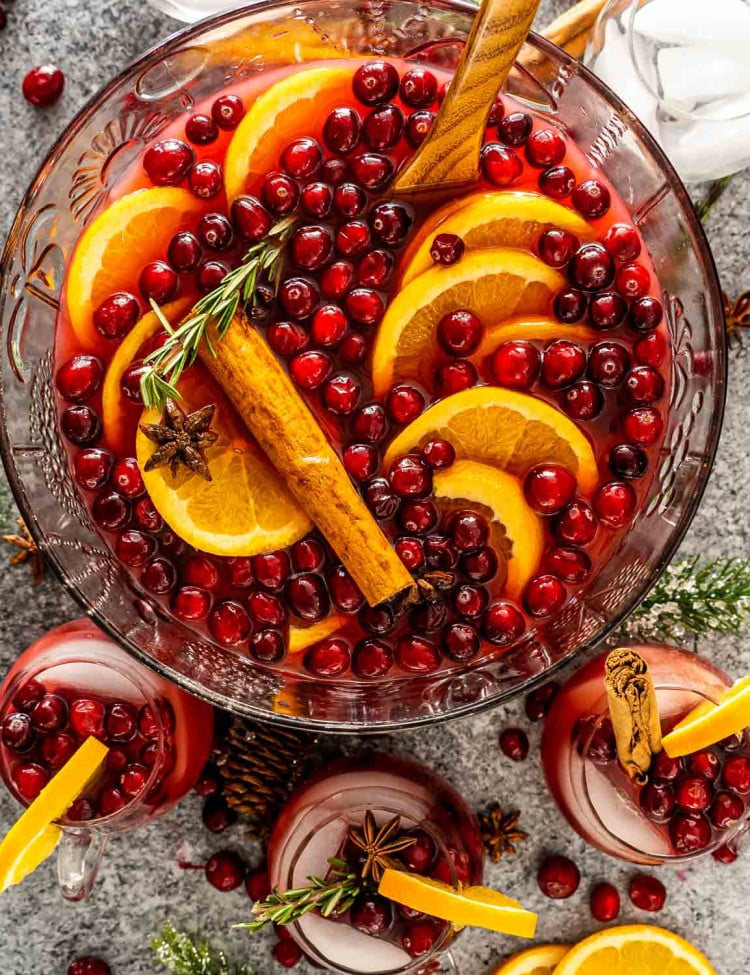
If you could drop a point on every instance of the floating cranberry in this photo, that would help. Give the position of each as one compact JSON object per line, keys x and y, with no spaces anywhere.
{"x":308,"y":597}
{"x":461,"y":642}
{"x":645,"y":314}
{"x":302,"y":158}
{"x":79,"y":377}
{"x":266,"y":610}
{"x":167,"y":162}
{"x":567,"y":563}
{"x":381,"y":499}
{"x":329,"y":658}
{"x":205,"y":179}
{"x":344,"y":592}
{"x":353,"y":238}
{"x":120,"y":722}
{"x":665,"y":769}
{"x":134,"y":547}
{"x":364,"y":306}
{"x":419,"y":87}
{"x":229,"y":624}
{"x":267,"y":646}
{"x":92,"y":467}
{"x":607,"y":310}
{"x":411,"y":552}
{"x":146,"y":517}
{"x":341,"y":394}
{"x":43,"y":86}
{"x":116,"y":315}
{"x":608,"y":363}
{"x":286,"y":338}
{"x":545,"y":147}
{"x":416,"y":655}
{"x":470,"y":602}
{"x":201,"y":130}
{"x":604,"y":902}
{"x":370,"y":423}
{"x":372,"y":658}
{"x":28,"y":695}
{"x":391,"y":223}
{"x":614,"y":504}
{"x":227,"y":112}
{"x":418,"y":938}
{"x":375,"y":269}
{"x":225,"y":871}
{"x":556,"y":247}
{"x":503,"y":623}
{"x":591,"y":198}
{"x":644,"y":385}
{"x":544,"y":595}
{"x":446,"y":249}
{"x":549,"y":487}
{"x":30,"y":779}
{"x":633,"y":280}
{"x":210,"y":275}
{"x":576,"y":523}
{"x":349,"y":200}
{"x":307,"y":555}
{"x":705,"y":764}
{"x":514,"y":743}
{"x":317,"y":199}
{"x":375,"y":82}
{"x":514,"y":129}
{"x":89,"y":965}
{"x":622,"y":242}
{"x":17,"y":731}
{"x":583,"y":401}
{"x":562,"y":364}
{"x":460,"y":332}
{"x":372,"y":914}
{"x":438,"y":453}
{"x":557,"y":181}
{"x":111,"y":801}
{"x":148,"y":722}
{"x":404,"y":403}
{"x":600,"y":746}
{"x":335,"y":171}
{"x":50,"y":713}
{"x":126,"y":478}
{"x":158,"y":281}
{"x":516,"y":364}
{"x":271,"y":570}
{"x":81,"y":425}
{"x":558,"y":877}
{"x":280,"y":193}
{"x":311,"y":247}
{"x":468,"y":531}
{"x":250,"y":218}
{"x":591,"y":267}
{"x":500,"y":166}
{"x":643,"y":426}
{"x":360,"y":461}
{"x":496,"y":112}
{"x":628,"y":461}
{"x":133,"y":780}
{"x":417,"y":517}
{"x":657,"y":800}
{"x":727,"y":809}
{"x":383,"y":128}
{"x":372,"y":170}
{"x":440,"y":552}
{"x":185,"y":251}
{"x":736,"y":774}
{"x":215,"y":231}
{"x":110,"y":511}
{"x":309,"y":370}
{"x":690,"y":833}
{"x":453,"y":377}
{"x":342,"y":129}
{"x":411,"y":477}
{"x":191,"y":603}
{"x":570,"y":305}
{"x":87,"y":717}
{"x":418,"y":127}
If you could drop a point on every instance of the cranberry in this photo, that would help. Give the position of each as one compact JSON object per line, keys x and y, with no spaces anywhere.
{"x":549,"y":487}
{"x":645,"y":314}
{"x":500,"y":166}
{"x":608,"y":363}
{"x":250,"y":218}
{"x":133,"y":780}
{"x":644,"y":385}
{"x":87,"y":717}
{"x":460,"y":332}
{"x":267,"y":646}
{"x":557,"y":181}
{"x":158,"y":281}
{"x":440,"y":552}
{"x":353,"y":238}
{"x":446,"y":249}
{"x":419,"y":938}
{"x":370,"y":423}
{"x":375,"y":269}
{"x":120,"y":722}
{"x":383,"y":127}
{"x":545,"y":147}
{"x":583,"y":401}
{"x":419,"y":857}
{"x":727,"y":809}
{"x":116,"y":315}
{"x":598,"y":738}
{"x":418,"y":127}
{"x":30,"y":779}
{"x":334,"y":171}
{"x":307,"y":555}
{"x":558,"y":877}
{"x":665,"y":769}
{"x":287,"y":953}
{"x":461,"y":642}
{"x":576,"y":524}
{"x":286,"y":338}
{"x":210,"y":782}
{"x":372,"y":914}
{"x":438,"y":453}
{"x":724,"y":854}
{"x":167,"y":162}
{"x":411,"y":477}
{"x":503,"y":623}
{"x":28,"y":695}
{"x":42,"y":86}
{"x":364,"y":306}
{"x":349,"y":200}
{"x":417,"y":517}
{"x":217,"y":816}
{"x":134,"y":548}
{"x":622,"y":242}
{"x":229,"y":624}
{"x":628,"y":461}
{"x":184,"y":252}
{"x":17,"y":732}
{"x":690,"y":833}
{"x":126,"y":478}
{"x":567,"y":563}
{"x":372,"y":658}
{"x":515,"y":364}
{"x":309,"y":370}
{"x":453,"y":377}
{"x":372,"y":170}
{"x":201,"y":130}
{"x":215,"y":231}
{"x":146,"y":516}
{"x":257,"y":884}
{"x":643,"y":426}
{"x":411,"y":552}
{"x":148,"y":722}
{"x":271,"y":570}
{"x":375,"y":82}
{"x":429,"y":617}
{"x":342,"y":129}
{"x":736,"y":774}
{"x":607,"y":310}
{"x":562,"y":364}
{"x":191,"y":603}
{"x":614,"y":504}
{"x":311,"y":247}
{"x":360,"y":461}
{"x":317,"y":199}
{"x":205,"y":179}
{"x":404,"y":403}
{"x":50,"y":713}
{"x":591,"y":198}
{"x":381,"y":499}
{"x":111,"y":801}
{"x":514,"y":129}
{"x":225,"y":871}
{"x":657,"y":801}
{"x":391,"y":223}
{"x":308,"y":597}
{"x":330,"y":658}
{"x":81,"y":425}
{"x":89,"y":965}
{"x":570,"y":305}
{"x":591,"y":267}
{"x":110,"y":511}
{"x":544,"y":595}
{"x":417,"y":655}
{"x":280,"y":193}
{"x":705,"y":764}
{"x":79,"y":378}
{"x":92,"y":467}
{"x":633,"y":280}
{"x":210,"y":275}
{"x":344,"y":592}
{"x":302,"y":158}
{"x":514,"y":743}
{"x":468,"y":531}
{"x":419,"y":87}
{"x":604,"y":902}
{"x":227,"y":112}
{"x":556,"y":247}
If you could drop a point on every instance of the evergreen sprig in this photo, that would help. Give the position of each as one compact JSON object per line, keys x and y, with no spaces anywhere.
{"x":179,"y":954}
{"x":691,"y":598}
{"x":335,"y":894}
{"x":261,"y":264}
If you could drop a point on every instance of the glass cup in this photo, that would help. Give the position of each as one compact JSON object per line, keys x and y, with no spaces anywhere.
{"x":159,"y":739}
{"x":593,"y":791}
{"x":312,"y":827}
{"x":74,"y":180}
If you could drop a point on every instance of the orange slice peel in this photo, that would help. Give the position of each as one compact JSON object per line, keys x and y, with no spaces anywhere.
{"x":637,"y":949}
{"x":708,"y":723}
{"x":540,"y":960}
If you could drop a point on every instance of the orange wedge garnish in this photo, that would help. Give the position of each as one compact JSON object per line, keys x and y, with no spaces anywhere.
{"x":501,"y":496}
{"x":536,"y":961}
{"x":34,"y":836}
{"x":505,"y":429}
{"x":636,"y":949}
{"x":532,"y":330}
{"x":113,"y":250}
{"x":478,"y":907}
{"x":302,"y":637}
{"x":708,"y":723}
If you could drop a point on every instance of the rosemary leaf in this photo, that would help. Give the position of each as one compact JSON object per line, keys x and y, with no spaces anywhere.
{"x":179,"y":954}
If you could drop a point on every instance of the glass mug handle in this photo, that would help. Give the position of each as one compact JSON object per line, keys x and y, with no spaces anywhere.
{"x":79,"y":854}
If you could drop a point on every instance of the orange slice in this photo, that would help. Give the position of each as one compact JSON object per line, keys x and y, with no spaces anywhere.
{"x":127,"y":350}
{"x":113,"y":249}
{"x":34,"y":835}
{"x":502,"y":494}
{"x":708,"y":723}
{"x":536,"y":961}
{"x":282,"y":113}
{"x":290,"y":42}
{"x":503,"y":428}
{"x":637,"y":949}
{"x":532,"y":330}
{"x":302,"y":637}
{"x":507,"y":219}
{"x":245,"y":509}
{"x":478,"y":907}
{"x":496,"y":283}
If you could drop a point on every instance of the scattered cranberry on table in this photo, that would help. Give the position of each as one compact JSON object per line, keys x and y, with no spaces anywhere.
{"x":558,"y":877}
{"x":43,"y":86}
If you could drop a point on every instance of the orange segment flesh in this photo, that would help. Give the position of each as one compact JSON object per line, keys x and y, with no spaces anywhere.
{"x":637,"y":949}
{"x":34,"y":836}
{"x":302,"y":637}
{"x":127,"y":350}
{"x":532,"y":330}
{"x":708,"y":723}
{"x":113,"y":249}
{"x":502,"y":494}
{"x":507,"y":219}
{"x":536,"y":961}
{"x":496,"y":283}
{"x":477,"y":907}
{"x":281,"y":114}
{"x":504,"y":428}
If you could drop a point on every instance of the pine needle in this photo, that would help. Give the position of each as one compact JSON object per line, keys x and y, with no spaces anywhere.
{"x":179,"y":954}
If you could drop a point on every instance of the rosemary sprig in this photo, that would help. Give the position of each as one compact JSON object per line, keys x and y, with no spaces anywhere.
{"x":168,"y":362}
{"x":695,"y":599}
{"x":335,"y":894}
{"x":179,"y":954}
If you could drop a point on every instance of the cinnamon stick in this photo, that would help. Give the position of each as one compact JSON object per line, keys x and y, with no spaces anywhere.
{"x":634,"y":711}
{"x":285,"y":428}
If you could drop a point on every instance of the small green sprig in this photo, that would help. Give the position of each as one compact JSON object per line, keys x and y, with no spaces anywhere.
{"x":167,"y":363}
{"x":335,"y":894}
{"x":179,"y":954}
{"x":691,"y":598}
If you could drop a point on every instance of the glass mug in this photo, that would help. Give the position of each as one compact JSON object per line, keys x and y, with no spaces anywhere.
{"x":75,"y":681}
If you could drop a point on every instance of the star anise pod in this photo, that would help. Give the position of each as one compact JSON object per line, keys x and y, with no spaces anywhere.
{"x":181,"y":439}
{"x":500,"y":832}
{"x":378,"y":845}
{"x":737,"y":314}
{"x":28,"y":551}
